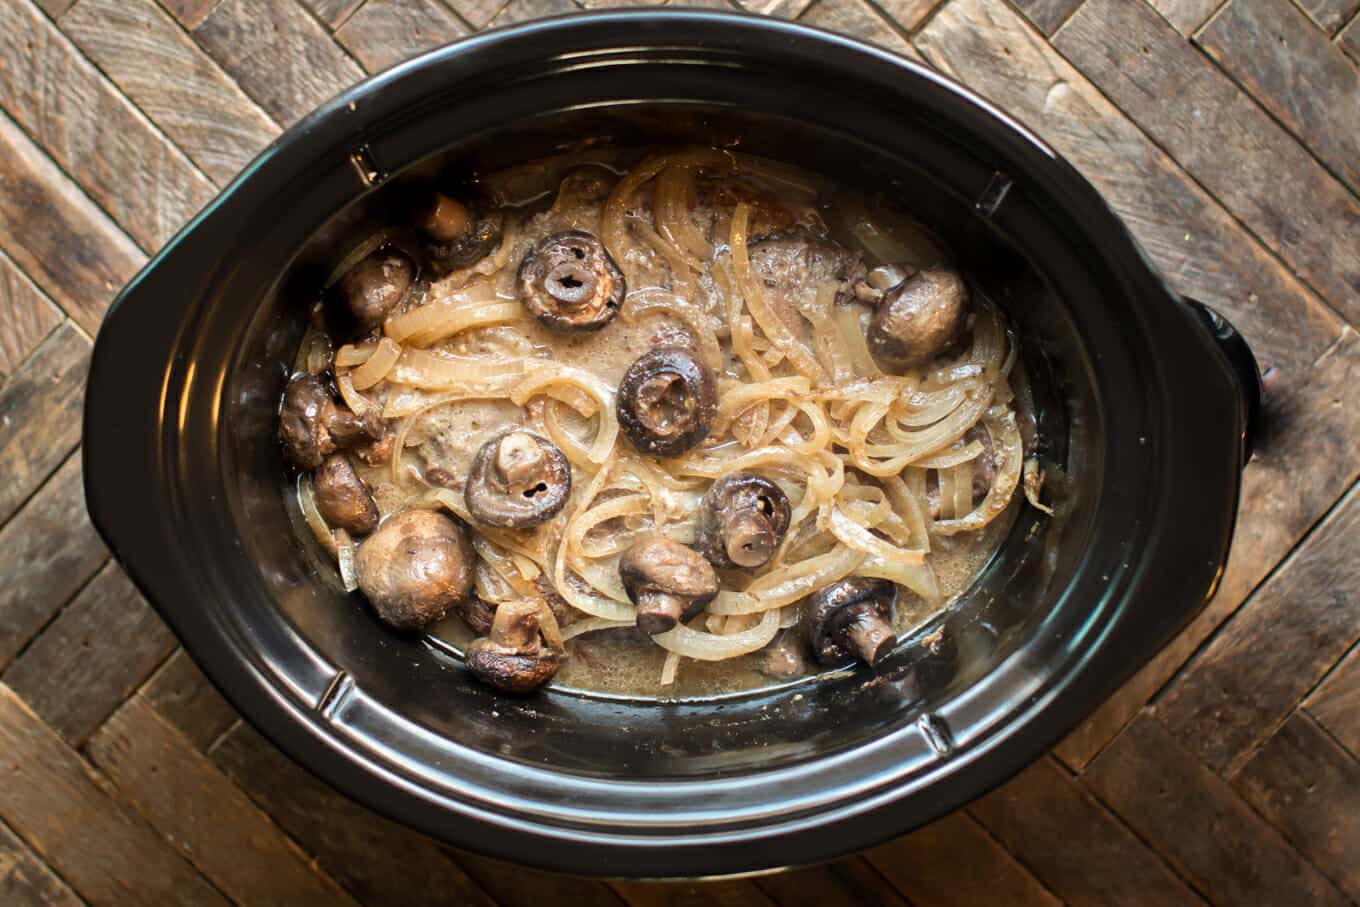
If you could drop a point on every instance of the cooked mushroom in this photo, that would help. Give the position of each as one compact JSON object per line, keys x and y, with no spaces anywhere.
{"x":415,"y":567}
{"x":742,"y":520}
{"x":312,"y":426}
{"x":666,"y":402}
{"x":796,"y":264}
{"x":517,"y":480}
{"x":477,"y":613}
{"x":512,"y":657}
{"x":455,"y":237}
{"x":570,"y":283}
{"x":852,"y":618}
{"x":667,"y":581}
{"x":343,"y":497}
{"x":377,"y":285}
{"x":918,"y":319}
{"x":783,"y":660}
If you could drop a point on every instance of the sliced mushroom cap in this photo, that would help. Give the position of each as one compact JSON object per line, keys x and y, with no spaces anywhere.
{"x":343,"y":497}
{"x":852,"y":618}
{"x":455,"y":236}
{"x":312,"y":426}
{"x":666,"y":402}
{"x":919,"y":319}
{"x":415,"y":567}
{"x":668,"y":582}
{"x":518,"y":479}
{"x":742,"y":520}
{"x":512,"y":657}
{"x":569,"y":282}
{"x":375,"y":286}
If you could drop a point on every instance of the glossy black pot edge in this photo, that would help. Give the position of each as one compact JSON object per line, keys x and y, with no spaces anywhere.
{"x":306,"y":735}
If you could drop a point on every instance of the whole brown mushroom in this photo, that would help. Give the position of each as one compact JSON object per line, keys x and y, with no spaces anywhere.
{"x":375,"y":286}
{"x":668,"y":582}
{"x":343,"y":497}
{"x":518,"y":479}
{"x":742,"y":520}
{"x":666,"y":402}
{"x":512,"y":657}
{"x":454,"y":236}
{"x":918,"y":320}
{"x":852,"y":618}
{"x":312,"y":426}
{"x":415,"y":567}
{"x":569,"y":282}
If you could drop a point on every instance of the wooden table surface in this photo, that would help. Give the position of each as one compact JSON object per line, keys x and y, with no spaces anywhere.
{"x":1227,"y":134}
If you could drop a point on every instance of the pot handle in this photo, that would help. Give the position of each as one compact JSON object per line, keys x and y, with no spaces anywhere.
{"x":1235,"y":349}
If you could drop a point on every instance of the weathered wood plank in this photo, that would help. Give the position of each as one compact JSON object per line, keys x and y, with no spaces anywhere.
{"x":1047,"y":15}
{"x":909,"y":14}
{"x":1074,"y":845}
{"x":1304,"y":463}
{"x":1203,"y":828}
{"x":1271,"y":48}
{"x":955,"y":863}
{"x":1274,"y":650}
{"x":26,"y":313}
{"x":1309,"y":787}
{"x":858,"y":18}
{"x":189,"y":13}
{"x":1349,"y":39}
{"x":47,"y":552}
{"x":332,"y":12}
{"x":1331,"y":14}
{"x":173,"y":81}
{"x":477,"y":13}
{"x":108,"y":855}
{"x":852,"y":882}
{"x":1195,"y":243}
{"x":54,"y":8}
{"x":281,"y":56}
{"x":784,"y":9}
{"x":378,"y":861}
{"x":1186,"y":16}
{"x":204,"y":815}
{"x":1259,"y":172}
{"x":524,"y":10}
{"x":56,"y":234}
{"x":25,"y":881}
{"x":188,"y":701}
{"x":92,"y":131}
{"x":40,"y":415}
{"x":739,"y":893}
{"x":384,"y":32}
{"x":1336,"y":704}
{"x":510,"y":883}
{"x":82,"y":666}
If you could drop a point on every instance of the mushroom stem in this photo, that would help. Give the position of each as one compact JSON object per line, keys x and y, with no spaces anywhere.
{"x":750,"y":541}
{"x":659,"y":612}
{"x":871,"y":636}
{"x":515,"y":625}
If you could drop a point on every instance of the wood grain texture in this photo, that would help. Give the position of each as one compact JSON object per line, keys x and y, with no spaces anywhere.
{"x":186,"y":699}
{"x":1081,"y":852}
{"x":1223,"y":139}
{"x":92,"y":131}
{"x":1330,"y":14}
{"x":955,"y":863}
{"x":1186,"y":16}
{"x":173,"y":81}
{"x":332,"y":12}
{"x":1290,"y":67}
{"x":385,"y":32}
{"x":204,"y":815}
{"x":1349,"y":39}
{"x":858,"y":18}
{"x":26,"y":313}
{"x":1213,"y":839}
{"x":1047,"y":15}
{"x":86,"y":662}
{"x":508,"y":883}
{"x":189,"y":13}
{"x":47,"y":552}
{"x":524,"y":10}
{"x":53,"y":801}
{"x":1274,"y":650}
{"x":25,"y":881}
{"x":477,"y":13}
{"x":737,"y":893}
{"x":280,"y":55}
{"x":783,"y":9}
{"x":851,"y":882}
{"x":1305,"y":460}
{"x":1308,"y":786}
{"x":54,"y":8}
{"x":378,"y":861}
{"x":40,"y":415}
{"x":58,"y":236}
{"x":1336,"y":704}
{"x":909,"y":14}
